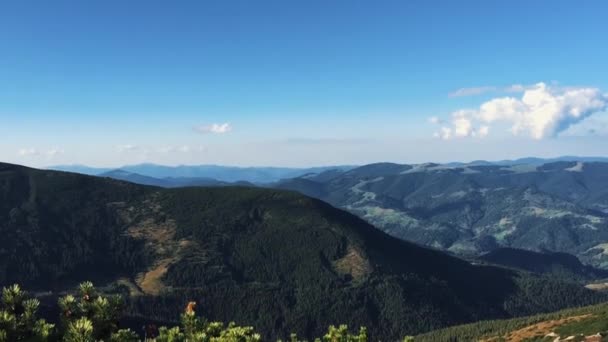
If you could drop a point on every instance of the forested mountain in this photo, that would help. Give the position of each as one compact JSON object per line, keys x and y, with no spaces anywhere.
{"x":473,"y":209}
{"x":274,"y":259}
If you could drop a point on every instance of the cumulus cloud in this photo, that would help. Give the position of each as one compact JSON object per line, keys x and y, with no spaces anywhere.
{"x":214,"y":128}
{"x":542,"y":111}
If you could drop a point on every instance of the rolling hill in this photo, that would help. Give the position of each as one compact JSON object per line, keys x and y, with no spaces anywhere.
{"x":274,"y":259}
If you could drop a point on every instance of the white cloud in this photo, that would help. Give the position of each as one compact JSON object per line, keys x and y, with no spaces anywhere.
{"x":483,"y":131}
{"x":54,"y":152}
{"x":28,"y":152}
{"x":463,"y":127}
{"x":542,"y":111}
{"x":33,"y":152}
{"x":435,"y":120}
{"x":182,"y":149}
{"x":444,"y":133}
{"x":127,"y":148}
{"x":472,"y":91}
{"x":214,"y":128}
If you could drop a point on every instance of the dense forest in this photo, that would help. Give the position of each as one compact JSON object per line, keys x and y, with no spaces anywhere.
{"x":273,"y":259}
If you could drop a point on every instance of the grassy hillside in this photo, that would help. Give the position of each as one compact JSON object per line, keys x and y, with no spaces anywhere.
{"x":276,"y":260}
{"x":588,"y":322}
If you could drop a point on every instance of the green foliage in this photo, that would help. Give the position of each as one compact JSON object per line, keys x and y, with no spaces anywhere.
{"x":18,"y":317}
{"x":170,"y":335}
{"x":90,"y":314}
{"x":341,"y":334}
{"x":18,"y":321}
{"x":124,"y":335}
{"x":79,"y":330}
{"x":194,"y":328}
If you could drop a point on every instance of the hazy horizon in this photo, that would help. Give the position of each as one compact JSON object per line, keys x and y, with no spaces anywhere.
{"x":115,"y":167}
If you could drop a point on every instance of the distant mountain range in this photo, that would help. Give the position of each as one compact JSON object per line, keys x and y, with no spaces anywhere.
{"x":167,"y":182}
{"x":230,"y":174}
{"x":274,"y":259}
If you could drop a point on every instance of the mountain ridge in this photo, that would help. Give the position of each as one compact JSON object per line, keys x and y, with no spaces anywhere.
{"x":470,"y":210}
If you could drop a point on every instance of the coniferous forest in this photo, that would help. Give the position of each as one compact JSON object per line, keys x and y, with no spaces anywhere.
{"x":272,"y":259}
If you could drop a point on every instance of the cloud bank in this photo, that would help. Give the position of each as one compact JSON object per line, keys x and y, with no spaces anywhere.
{"x":542,"y":111}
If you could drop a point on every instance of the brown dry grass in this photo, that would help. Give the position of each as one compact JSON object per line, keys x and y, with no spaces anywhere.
{"x":353,"y":263}
{"x":597,"y":287}
{"x":151,"y":282}
{"x":159,"y":237}
{"x":538,"y":329}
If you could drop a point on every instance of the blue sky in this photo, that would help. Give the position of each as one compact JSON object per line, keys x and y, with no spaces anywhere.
{"x":291,"y":83}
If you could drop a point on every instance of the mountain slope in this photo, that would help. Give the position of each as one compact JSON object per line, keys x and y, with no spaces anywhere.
{"x":473,"y":209}
{"x":562,"y":265}
{"x":277,"y":260}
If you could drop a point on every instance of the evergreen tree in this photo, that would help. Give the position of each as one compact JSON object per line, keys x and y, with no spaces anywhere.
{"x":18,"y":320}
